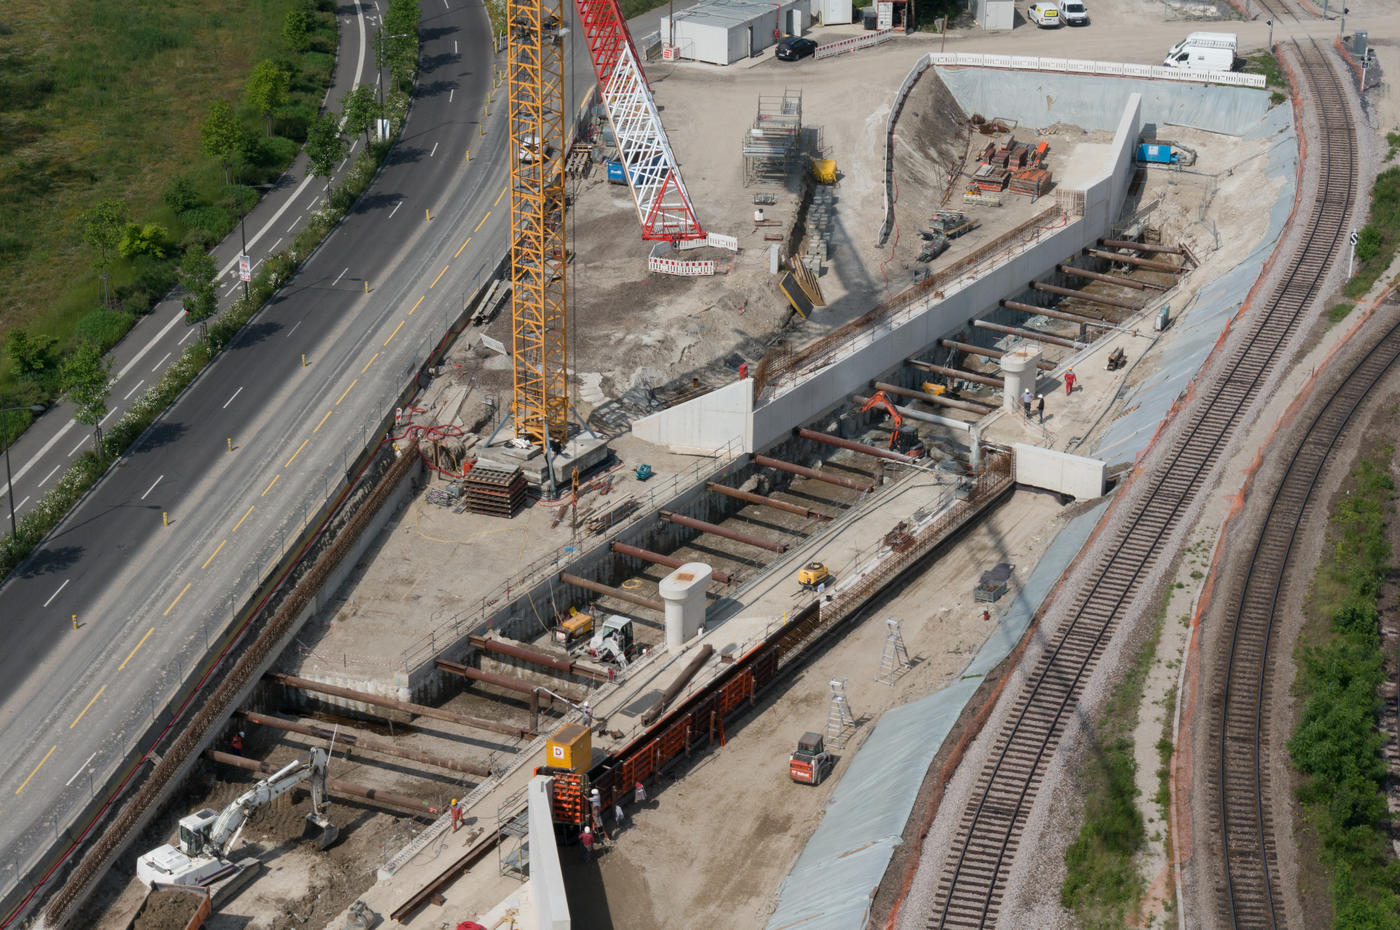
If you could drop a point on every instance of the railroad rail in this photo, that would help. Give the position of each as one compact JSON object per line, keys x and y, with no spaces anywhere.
{"x":971,"y":886}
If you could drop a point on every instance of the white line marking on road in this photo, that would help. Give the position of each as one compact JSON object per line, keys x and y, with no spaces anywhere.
{"x":450,"y":94}
{"x":109,"y":413}
{"x":20,"y":505}
{"x":230,"y":400}
{"x":454,"y":46}
{"x":434,"y":151}
{"x":156,"y":366}
{"x":395,"y":210}
{"x":191,"y":332}
{"x":338,"y":277}
{"x":58,"y":592}
{"x":275,"y":245}
{"x":42,"y":452}
{"x":135,"y":389}
{"x":80,"y":444}
{"x":153,"y":486}
{"x":48,"y":476}
{"x":147,"y":347}
{"x":341,"y":166}
{"x":81,"y":769}
{"x":293,"y":329}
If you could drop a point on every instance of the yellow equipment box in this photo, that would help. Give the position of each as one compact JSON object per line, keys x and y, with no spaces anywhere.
{"x":571,"y":747}
{"x":575,"y":627}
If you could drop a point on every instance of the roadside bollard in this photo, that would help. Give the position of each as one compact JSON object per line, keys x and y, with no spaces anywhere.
{"x":230,"y":444}
{"x":427,"y":215}
{"x":303,"y":360}
{"x":367,"y":287}
{"x":75,"y":621}
{"x":164,"y":518}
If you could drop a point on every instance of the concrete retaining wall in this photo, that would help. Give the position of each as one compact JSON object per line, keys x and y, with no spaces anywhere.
{"x":1081,"y":478}
{"x":705,"y":425}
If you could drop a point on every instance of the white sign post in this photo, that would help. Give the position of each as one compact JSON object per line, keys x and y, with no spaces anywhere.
{"x":1351,"y":262}
{"x":245,"y":267}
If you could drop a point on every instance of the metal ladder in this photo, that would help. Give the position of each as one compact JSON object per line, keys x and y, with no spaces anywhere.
{"x":513,"y":826}
{"x":839,"y":719}
{"x":895,"y":658}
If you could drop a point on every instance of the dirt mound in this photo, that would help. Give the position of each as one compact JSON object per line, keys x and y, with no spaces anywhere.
{"x":167,"y":910}
{"x":930,"y":146}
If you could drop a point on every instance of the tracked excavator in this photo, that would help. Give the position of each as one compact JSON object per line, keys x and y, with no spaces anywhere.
{"x":207,"y":837}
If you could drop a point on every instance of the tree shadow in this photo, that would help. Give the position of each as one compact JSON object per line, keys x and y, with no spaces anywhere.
{"x":162,"y":433}
{"x":50,"y":560}
{"x":406,"y":154}
{"x":254,"y":333}
{"x":369,"y":202}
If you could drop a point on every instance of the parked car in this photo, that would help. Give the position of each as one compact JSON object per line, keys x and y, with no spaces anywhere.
{"x":1073,"y":13}
{"x":791,"y":48}
{"x":1045,"y":15}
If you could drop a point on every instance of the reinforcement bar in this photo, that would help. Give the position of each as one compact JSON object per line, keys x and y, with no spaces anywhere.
{"x":855,"y":484}
{"x":641,"y":600}
{"x":362,"y":742}
{"x":420,"y":710}
{"x":669,"y":561}
{"x":726,"y":532}
{"x":776,"y":504}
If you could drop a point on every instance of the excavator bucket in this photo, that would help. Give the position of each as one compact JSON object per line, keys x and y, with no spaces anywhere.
{"x":320,"y":830}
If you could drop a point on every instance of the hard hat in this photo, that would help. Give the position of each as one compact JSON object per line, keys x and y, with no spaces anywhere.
{"x":595,"y":792}
{"x":587,"y":829}
{"x":241,"y":733}
{"x":454,"y":802}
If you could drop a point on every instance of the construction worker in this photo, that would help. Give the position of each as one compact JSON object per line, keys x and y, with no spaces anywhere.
{"x":236,"y":744}
{"x":639,"y":794}
{"x":1069,"y":380}
{"x":586,"y":841}
{"x":456,"y":811}
{"x":1040,"y":406}
{"x":596,"y":800}
{"x":587,"y":711}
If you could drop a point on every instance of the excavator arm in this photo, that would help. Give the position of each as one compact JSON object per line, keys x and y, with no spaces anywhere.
{"x":225,"y":830}
{"x":881,"y":399}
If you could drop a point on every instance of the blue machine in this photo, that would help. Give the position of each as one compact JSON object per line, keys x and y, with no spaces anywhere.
{"x":616,"y":174}
{"x":1157,"y":154}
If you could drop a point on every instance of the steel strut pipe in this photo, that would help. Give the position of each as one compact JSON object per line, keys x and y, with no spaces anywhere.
{"x":958,"y":373}
{"x":646,"y":555}
{"x":1139,"y":262}
{"x":385,"y":798}
{"x":919,"y":415}
{"x":1106,"y":278}
{"x":855,"y":484}
{"x":419,"y":710}
{"x":651,"y":603}
{"x":517,"y":651}
{"x":863,"y":448}
{"x":362,"y":742}
{"x":970,"y":406}
{"x":677,"y":686}
{"x":776,"y":504}
{"x":1083,"y":295}
{"x":1142,"y":247}
{"x":970,"y":349}
{"x":1053,"y":314}
{"x":1028,"y":334}
{"x":726,"y":532}
{"x":509,"y":682}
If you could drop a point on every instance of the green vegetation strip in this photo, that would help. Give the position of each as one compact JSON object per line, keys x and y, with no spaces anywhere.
{"x":1337,"y":744}
{"x":1378,"y":239}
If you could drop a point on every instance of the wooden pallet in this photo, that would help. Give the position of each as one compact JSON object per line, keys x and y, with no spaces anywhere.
{"x":580,"y":161}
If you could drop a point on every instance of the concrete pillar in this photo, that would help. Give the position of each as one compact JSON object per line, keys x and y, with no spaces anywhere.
{"x":1019,"y":367}
{"x":684,"y":593}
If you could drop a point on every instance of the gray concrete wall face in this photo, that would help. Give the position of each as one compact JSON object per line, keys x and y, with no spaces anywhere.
{"x":1096,"y":102}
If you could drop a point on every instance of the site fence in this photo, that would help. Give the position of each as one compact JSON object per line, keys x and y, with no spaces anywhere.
{"x":854,"y":43}
{"x":1085,"y":66}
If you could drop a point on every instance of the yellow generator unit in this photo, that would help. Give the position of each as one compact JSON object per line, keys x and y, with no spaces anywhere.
{"x":571,"y":747}
{"x":577,"y":626}
{"x":935,"y":389}
{"x":812,"y":574}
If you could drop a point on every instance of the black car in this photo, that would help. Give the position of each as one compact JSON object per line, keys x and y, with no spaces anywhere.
{"x":791,"y":48}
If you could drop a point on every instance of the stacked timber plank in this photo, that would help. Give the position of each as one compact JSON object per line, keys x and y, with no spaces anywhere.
{"x":1033,"y":181}
{"x":499,"y":492}
{"x":990,"y":178}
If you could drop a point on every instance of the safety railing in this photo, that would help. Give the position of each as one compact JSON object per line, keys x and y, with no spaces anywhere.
{"x":1086,"y":66}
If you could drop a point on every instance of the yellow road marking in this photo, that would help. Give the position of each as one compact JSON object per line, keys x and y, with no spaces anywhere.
{"x":137,"y":646}
{"x":500,"y":195}
{"x":177,"y":599}
{"x":208,"y":560}
{"x":394,"y":333}
{"x":421,"y":299}
{"x":240,"y":522}
{"x":347,"y":391}
{"x":89,"y":704}
{"x":323,"y":422}
{"x":270,"y":484}
{"x":296,"y":453}
{"x":36,"y":769}
{"x":369,"y":363}
{"x":483,"y":220}
{"x":463,"y":246}
{"x":440,"y":274}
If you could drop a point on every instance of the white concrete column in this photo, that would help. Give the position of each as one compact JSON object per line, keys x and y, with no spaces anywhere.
{"x":1020,"y":369}
{"x":684,"y":593}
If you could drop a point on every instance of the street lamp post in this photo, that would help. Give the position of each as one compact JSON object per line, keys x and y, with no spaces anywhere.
{"x":5,"y":434}
{"x":379,"y":38}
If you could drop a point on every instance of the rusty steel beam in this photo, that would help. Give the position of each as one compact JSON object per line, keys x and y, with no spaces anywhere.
{"x":862,"y":448}
{"x":776,"y":504}
{"x":646,"y":555}
{"x":383,"y":798}
{"x":509,"y":682}
{"x":1054,"y":314}
{"x":1042,"y":364}
{"x":1107,"y":278}
{"x":306,"y":684}
{"x":517,"y":651}
{"x":958,"y":373}
{"x":641,"y":600}
{"x":677,"y":686}
{"x":1083,"y":295}
{"x":1028,"y":334}
{"x":912,"y":414}
{"x":1139,"y":262}
{"x":1142,"y":247}
{"x":362,"y":742}
{"x":855,"y":484}
{"x":971,"y":406}
{"x":726,"y":532}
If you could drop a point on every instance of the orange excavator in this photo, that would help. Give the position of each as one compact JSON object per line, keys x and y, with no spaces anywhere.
{"x":900,"y":441}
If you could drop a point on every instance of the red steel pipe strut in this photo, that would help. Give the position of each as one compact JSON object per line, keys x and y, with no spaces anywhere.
{"x":1054,"y":314}
{"x":860,"y":447}
{"x":420,"y":710}
{"x":1042,"y":364}
{"x":383,"y":798}
{"x":746,"y":538}
{"x":1142,"y":247}
{"x":362,"y":742}
{"x":646,"y":555}
{"x":1028,"y":334}
{"x":957,"y":373}
{"x":971,"y":406}
{"x":1083,"y":295}
{"x":1107,"y":278}
{"x":1139,"y":262}
{"x":855,"y":484}
{"x":773,"y":502}
{"x":651,"y":603}
{"x":509,"y":682}
{"x":517,"y":651}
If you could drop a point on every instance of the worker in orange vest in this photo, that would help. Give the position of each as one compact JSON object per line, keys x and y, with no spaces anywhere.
{"x":456,"y":811}
{"x":237,"y":743}
{"x":1069,"y":381}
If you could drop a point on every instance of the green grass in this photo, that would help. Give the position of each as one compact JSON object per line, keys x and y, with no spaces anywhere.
{"x":1393,"y":140}
{"x":1337,"y":743}
{"x":1338,"y":312}
{"x":103,"y":100}
{"x":1264,"y":63}
{"x":1379,"y":236}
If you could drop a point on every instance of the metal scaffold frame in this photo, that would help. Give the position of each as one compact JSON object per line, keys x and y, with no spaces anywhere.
{"x":535,"y":59}
{"x":772,"y":147}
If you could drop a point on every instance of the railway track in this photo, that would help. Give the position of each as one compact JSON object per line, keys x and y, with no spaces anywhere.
{"x":971,"y":887}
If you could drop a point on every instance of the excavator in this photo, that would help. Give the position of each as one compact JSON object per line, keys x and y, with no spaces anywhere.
{"x":901,"y":440}
{"x":207,"y":836}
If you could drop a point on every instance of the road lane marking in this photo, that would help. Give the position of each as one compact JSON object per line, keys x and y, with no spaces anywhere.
{"x":153,"y":486}
{"x":454,"y":46}
{"x":270,"y":484}
{"x":500,"y":195}
{"x":322,"y":423}
{"x":134,"y":648}
{"x":109,"y":413}
{"x":177,"y":598}
{"x":295,"y":454}
{"x":369,"y":363}
{"x":74,"y":450}
{"x":235,"y":394}
{"x":338,"y":277}
{"x":395,"y":210}
{"x":135,"y":389}
{"x":453,"y":92}
{"x":273,"y":247}
{"x":85,"y":710}
{"x":36,"y":768}
{"x":211,"y":557}
{"x":50,"y":474}
{"x":156,"y":366}
{"x":392,"y":335}
{"x":150,"y":345}
{"x":435,"y":145}
{"x":420,"y":299}
{"x":56,"y":593}
{"x":438,"y":278}
{"x":483,"y":222}
{"x":347,"y":391}
{"x":20,"y":505}
{"x":191,"y":332}
{"x":463,"y":246}
{"x":82,"y":768}
{"x":241,"y":519}
{"x":293,"y":329}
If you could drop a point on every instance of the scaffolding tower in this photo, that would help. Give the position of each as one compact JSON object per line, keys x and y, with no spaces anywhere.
{"x":772,"y":147}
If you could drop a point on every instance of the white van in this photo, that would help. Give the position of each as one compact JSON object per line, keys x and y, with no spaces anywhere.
{"x":1073,"y":13}
{"x":1203,"y":51}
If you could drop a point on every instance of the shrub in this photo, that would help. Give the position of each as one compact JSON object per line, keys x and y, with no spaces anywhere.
{"x":103,"y":327}
{"x":144,"y":239}
{"x":209,"y":219}
{"x":1368,"y":244}
{"x":180,"y":194}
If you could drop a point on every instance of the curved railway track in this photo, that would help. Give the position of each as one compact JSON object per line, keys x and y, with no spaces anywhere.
{"x":972,"y":884}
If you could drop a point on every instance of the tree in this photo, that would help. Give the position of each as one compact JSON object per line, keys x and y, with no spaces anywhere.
{"x":103,"y":226}
{"x":31,"y":357}
{"x":360,"y":110}
{"x":221,"y":136}
{"x":325,"y":147}
{"x":197,"y":274}
{"x":267,"y":89}
{"x":150,"y":239}
{"x":85,"y":376}
{"x":296,"y":29}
